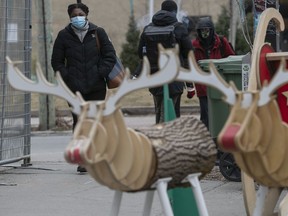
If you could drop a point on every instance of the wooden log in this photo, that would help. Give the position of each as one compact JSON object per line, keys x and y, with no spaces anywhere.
{"x":182,"y":147}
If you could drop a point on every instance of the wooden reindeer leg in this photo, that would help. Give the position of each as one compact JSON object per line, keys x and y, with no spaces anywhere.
{"x":248,"y":187}
{"x":267,"y":198}
{"x":283,"y":206}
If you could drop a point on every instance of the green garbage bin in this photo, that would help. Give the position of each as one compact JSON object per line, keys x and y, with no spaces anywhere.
{"x":233,"y":68}
{"x":183,"y":201}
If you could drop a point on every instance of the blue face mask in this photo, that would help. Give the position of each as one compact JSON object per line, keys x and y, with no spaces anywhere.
{"x":78,"y":21}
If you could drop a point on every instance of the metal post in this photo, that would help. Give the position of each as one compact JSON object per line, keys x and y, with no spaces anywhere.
{"x":27,"y":66}
{"x":233,"y":22}
{"x":4,"y":69}
{"x":194,"y":181}
{"x":148,"y":203}
{"x":277,"y":32}
{"x":179,"y":4}
{"x":161,"y":186}
{"x":47,"y":108}
{"x":151,"y":9}
{"x":116,"y":203}
{"x":131,"y":7}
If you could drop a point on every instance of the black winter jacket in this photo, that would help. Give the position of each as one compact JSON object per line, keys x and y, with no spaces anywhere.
{"x":80,"y":64}
{"x":165,"y":18}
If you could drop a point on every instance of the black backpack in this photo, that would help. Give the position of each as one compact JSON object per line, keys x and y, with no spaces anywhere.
{"x":158,"y":34}
{"x":222,"y":47}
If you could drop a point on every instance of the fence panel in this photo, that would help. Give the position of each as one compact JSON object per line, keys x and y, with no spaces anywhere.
{"x":15,"y":42}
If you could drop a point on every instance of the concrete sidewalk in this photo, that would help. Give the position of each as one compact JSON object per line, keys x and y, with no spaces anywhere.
{"x":52,"y":187}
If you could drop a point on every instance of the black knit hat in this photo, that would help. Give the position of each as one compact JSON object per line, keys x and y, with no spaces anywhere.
{"x":82,"y":6}
{"x":169,"y":5}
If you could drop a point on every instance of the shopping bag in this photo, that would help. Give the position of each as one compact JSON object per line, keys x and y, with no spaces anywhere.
{"x":116,"y":76}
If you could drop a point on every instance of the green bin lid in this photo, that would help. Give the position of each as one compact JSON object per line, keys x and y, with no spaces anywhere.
{"x":229,"y":64}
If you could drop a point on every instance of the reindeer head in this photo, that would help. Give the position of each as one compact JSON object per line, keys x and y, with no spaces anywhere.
{"x":254,"y":131}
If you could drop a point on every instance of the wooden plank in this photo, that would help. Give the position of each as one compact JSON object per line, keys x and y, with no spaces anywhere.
{"x":276,"y":56}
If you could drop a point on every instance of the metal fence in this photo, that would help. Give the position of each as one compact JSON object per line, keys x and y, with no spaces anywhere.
{"x":15,"y":42}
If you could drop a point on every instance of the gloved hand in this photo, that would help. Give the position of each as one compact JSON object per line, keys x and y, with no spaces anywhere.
{"x":190,"y":92}
{"x":133,"y":77}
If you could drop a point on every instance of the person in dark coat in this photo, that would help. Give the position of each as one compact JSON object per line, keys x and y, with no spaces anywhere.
{"x":75,"y":55}
{"x":165,"y":17}
{"x":208,"y":45}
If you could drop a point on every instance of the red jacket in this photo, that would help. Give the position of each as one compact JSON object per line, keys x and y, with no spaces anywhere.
{"x":215,"y":53}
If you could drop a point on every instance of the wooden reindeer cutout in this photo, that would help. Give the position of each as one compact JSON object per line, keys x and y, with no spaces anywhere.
{"x":122,"y":158}
{"x":258,"y":134}
{"x":262,"y":53}
{"x":255,"y":132}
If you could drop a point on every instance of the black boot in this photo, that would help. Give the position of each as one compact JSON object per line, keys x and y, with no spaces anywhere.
{"x":81,"y":169}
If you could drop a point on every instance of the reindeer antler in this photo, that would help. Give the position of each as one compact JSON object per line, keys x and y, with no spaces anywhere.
{"x":195,"y":74}
{"x":169,"y":63}
{"x":279,"y":79}
{"x":18,"y":81}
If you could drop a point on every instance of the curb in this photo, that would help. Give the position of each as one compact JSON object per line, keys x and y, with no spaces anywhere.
{"x":127,"y":111}
{"x":133,"y":111}
{"x":138,"y":111}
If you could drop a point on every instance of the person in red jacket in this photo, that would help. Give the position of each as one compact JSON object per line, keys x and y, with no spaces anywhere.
{"x":208,"y":45}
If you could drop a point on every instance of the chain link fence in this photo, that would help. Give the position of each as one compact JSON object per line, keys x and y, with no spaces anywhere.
{"x":15,"y":42}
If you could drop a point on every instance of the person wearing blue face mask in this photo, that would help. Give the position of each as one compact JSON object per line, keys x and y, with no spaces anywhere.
{"x":75,"y":55}
{"x":78,"y":22}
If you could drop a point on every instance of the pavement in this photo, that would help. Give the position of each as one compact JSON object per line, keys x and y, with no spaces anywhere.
{"x":52,"y":187}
